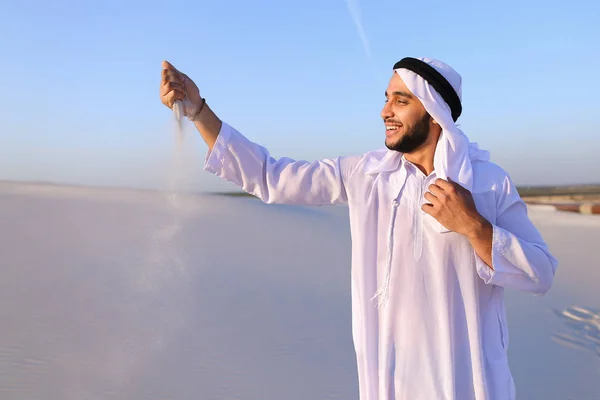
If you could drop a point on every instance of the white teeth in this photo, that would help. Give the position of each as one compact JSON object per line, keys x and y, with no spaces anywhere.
{"x":390,"y":128}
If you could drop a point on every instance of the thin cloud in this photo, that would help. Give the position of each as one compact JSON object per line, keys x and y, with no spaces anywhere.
{"x":355,"y":13}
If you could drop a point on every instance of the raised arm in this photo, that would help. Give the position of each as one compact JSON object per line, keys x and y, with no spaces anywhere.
{"x":248,"y":165}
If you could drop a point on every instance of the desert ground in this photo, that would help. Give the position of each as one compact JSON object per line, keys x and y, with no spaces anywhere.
{"x":131,"y":294}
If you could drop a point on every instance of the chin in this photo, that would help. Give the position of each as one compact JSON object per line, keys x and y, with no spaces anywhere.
{"x":392,"y":141}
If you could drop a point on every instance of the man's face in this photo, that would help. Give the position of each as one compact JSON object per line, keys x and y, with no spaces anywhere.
{"x":406,"y":121}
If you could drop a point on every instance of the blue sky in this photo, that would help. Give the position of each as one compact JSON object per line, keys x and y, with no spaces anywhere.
{"x":80,"y":101}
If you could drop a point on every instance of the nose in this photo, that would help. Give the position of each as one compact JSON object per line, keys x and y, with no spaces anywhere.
{"x":387,"y":111}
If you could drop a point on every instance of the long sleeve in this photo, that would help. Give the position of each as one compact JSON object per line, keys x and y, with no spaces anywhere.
{"x":520,"y":257}
{"x":249,"y":166}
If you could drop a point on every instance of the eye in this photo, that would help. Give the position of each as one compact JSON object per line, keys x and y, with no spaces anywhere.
{"x":403,"y":102}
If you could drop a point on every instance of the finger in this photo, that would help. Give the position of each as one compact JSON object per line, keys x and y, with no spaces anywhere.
{"x":173,"y":73}
{"x":169,"y":66}
{"x":171,"y":76}
{"x":428,"y":208}
{"x":432,"y":199}
{"x":436,"y":190}
{"x":168,"y":86}
{"x":445,"y":185}
{"x":171,"y":97}
{"x":187,"y":82}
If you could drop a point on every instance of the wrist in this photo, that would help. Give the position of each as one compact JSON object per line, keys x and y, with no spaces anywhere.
{"x":194,"y":115}
{"x":478,"y":228}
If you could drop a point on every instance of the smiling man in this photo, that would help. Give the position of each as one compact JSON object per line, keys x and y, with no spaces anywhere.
{"x":438,"y":232}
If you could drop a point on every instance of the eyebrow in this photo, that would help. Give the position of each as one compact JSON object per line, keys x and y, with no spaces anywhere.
{"x":402,"y":94}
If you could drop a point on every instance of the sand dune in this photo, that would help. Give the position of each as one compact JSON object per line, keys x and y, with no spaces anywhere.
{"x":117,"y":294}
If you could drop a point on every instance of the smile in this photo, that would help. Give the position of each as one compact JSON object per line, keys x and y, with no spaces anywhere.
{"x":391,"y":129}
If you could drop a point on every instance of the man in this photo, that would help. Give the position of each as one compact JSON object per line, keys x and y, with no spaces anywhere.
{"x":438,"y":232}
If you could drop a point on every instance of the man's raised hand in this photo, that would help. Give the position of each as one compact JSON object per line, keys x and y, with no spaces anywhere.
{"x":175,"y":85}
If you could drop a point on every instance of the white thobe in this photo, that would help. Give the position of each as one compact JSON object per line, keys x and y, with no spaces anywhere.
{"x":442,"y":333}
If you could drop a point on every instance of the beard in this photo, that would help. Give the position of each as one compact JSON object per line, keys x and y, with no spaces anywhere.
{"x":414,"y":137}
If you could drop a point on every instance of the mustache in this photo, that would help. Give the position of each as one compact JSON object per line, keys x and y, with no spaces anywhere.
{"x":391,"y":121}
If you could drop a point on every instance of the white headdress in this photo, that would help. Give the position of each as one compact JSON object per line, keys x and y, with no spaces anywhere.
{"x":439,"y":88}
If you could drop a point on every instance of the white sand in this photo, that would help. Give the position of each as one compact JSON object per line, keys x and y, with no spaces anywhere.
{"x":110,"y":294}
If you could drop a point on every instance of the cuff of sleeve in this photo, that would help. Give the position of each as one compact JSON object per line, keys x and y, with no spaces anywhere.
{"x":499,"y":242}
{"x":215,"y":157}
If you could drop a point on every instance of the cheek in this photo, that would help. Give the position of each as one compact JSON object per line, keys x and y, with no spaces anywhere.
{"x":409,"y":117}
{"x":406,"y":112}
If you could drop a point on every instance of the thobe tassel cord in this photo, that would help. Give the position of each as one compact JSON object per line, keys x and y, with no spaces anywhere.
{"x":383,"y":293}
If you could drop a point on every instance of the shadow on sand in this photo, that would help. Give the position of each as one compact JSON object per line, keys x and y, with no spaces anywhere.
{"x":584,"y":324}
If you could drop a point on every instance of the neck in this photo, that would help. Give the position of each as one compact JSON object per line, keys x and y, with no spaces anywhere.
{"x":422,"y":161}
{"x":423,"y":157}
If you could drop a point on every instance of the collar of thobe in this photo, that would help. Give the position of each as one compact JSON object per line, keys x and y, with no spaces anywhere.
{"x":453,"y":154}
